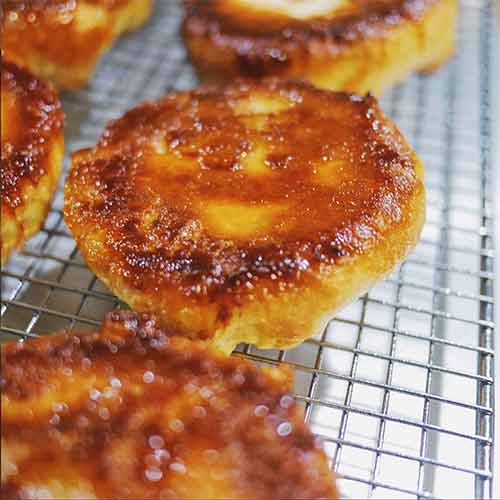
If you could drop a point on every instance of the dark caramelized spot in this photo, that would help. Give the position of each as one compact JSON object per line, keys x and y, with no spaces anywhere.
{"x":132,"y":412}
{"x":216,"y":189}
{"x":32,"y":119}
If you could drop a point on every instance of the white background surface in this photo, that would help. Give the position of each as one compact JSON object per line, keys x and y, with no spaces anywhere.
{"x":496,"y":199}
{"x":496,"y":195}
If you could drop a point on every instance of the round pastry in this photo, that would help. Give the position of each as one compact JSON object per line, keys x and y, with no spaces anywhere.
{"x":131,"y":412}
{"x":63,"y":40}
{"x":246,"y":213}
{"x":354,"y":45}
{"x":32,"y":152}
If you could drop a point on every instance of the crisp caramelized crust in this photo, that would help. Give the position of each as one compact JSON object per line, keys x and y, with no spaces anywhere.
{"x":63,"y":40}
{"x":354,"y":45}
{"x":246,"y":213}
{"x":32,"y":149}
{"x":131,"y":412}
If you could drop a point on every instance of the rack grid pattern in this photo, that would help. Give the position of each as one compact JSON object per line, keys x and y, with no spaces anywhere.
{"x":400,"y":384}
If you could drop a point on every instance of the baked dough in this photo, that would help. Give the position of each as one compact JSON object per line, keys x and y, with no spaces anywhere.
{"x":32,"y":152}
{"x":130,"y":412}
{"x":354,"y":45}
{"x":63,"y":40}
{"x":246,"y":213}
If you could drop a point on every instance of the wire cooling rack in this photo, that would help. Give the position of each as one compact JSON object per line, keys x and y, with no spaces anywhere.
{"x":400,"y":385}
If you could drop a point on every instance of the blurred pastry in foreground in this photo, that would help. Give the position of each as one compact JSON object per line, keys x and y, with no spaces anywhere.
{"x":246,"y":213}
{"x":354,"y":45}
{"x":130,"y":412}
{"x":63,"y":40}
{"x":32,"y":152}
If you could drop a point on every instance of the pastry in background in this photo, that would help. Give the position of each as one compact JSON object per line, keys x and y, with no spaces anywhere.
{"x":32,"y":154}
{"x":246,"y":213}
{"x":355,"y":45}
{"x":63,"y":40}
{"x":131,"y":412}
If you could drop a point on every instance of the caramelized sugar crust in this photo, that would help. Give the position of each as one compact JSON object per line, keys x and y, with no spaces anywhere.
{"x":132,"y":412}
{"x":354,"y":45}
{"x":32,"y":121}
{"x":168,"y":181}
{"x":62,"y":40}
{"x":220,"y":196}
{"x":347,"y":20}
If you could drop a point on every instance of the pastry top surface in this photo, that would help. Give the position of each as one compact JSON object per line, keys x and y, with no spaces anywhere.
{"x":241,"y":23}
{"x":32,"y":119}
{"x":131,"y":412}
{"x":214,"y":190}
{"x":64,"y":31}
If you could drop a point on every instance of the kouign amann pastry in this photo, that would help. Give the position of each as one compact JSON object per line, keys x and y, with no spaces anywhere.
{"x":132,"y":412}
{"x":246,"y":213}
{"x":63,"y":40}
{"x":32,"y":153}
{"x":354,"y":45}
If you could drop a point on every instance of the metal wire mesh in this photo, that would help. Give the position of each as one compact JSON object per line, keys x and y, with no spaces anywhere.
{"x":400,"y":385}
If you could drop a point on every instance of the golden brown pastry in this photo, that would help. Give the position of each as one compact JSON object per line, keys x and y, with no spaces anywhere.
{"x":354,"y":45}
{"x":63,"y":40}
{"x":131,"y":412}
{"x":246,"y":213}
{"x":32,"y":152}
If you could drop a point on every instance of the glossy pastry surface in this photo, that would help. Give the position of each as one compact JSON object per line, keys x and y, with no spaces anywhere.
{"x":354,"y":45}
{"x":246,"y":213}
{"x":132,"y":412}
{"x":63,"y":40}
{"x":32,"y":151}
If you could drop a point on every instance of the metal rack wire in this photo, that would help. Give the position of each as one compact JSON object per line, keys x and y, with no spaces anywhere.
{"x":400,"y":385}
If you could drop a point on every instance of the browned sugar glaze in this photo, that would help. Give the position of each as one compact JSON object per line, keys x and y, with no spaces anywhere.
{"x":52,"y":28}
{"x":171,"y":184}
{"x":271,"y":37}
{"x":131,"y":412}
{"x":31,"y":118}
